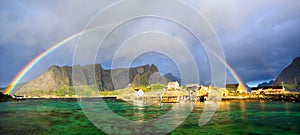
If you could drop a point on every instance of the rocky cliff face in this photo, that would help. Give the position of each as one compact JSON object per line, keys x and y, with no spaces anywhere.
{"x":172,"y":78}
{"x":56,"y":76}
{"x":290,"y":75}
{"x":53,"y":78}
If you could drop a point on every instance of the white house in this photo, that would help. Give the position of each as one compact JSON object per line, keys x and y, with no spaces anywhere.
{"x":138,"y":93}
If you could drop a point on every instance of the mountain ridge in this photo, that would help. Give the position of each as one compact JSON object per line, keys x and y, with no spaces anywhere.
{"x":104,"y":79}
{"x":290,"y":76}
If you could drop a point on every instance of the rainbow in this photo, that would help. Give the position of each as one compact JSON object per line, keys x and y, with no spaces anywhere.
{"x":233,"y":72}
{"x":235,"y":75}
{"x":33,"y":62}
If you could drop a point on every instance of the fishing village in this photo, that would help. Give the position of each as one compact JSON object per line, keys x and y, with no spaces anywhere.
{"x":174,"y":93}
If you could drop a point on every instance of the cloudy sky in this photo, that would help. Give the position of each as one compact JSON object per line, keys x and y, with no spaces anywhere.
{"x":259,"y":38}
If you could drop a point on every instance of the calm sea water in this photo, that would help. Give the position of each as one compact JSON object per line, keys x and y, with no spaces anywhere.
{"x":67,"y":117}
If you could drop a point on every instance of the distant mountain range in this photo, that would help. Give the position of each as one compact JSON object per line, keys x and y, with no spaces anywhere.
{"x":290,"y":76}
{"x":270,"y":83}
{"x":56,"y":76}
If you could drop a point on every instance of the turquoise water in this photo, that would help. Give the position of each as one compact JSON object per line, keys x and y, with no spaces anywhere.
{"x":67,"y":117}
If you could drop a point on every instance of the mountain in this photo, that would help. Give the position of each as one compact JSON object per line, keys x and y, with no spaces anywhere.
{"x":104,"y":79}
{"x":290,"y":76}
{"x":4,"y":98}
{"x":171,"y":77}
{"x":270,"y":83}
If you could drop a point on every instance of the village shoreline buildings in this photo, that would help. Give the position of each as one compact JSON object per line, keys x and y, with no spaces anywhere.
{"x":195,"y":92}
{"x":174,"y":93}
{"x":269,"y":89}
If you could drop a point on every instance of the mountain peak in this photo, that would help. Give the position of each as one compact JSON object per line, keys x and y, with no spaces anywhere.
{"x":290,"y":76}
{"x":296,"y":61}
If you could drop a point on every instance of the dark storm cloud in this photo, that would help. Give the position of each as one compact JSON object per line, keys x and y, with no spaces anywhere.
{"x":259,"y":38}
{"x":271,"y":50}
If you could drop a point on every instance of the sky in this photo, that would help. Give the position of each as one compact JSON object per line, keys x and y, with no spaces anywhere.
{"x":258,"y":38}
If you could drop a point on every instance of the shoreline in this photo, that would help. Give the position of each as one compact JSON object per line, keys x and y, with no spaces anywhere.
{"x":290,"y":97}
{"x":282,"y":98}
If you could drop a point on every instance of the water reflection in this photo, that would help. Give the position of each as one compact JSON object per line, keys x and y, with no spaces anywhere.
{"x":139,"y":107}
{"x":243,"y":109}
{"x":66,"y":117}
{"x":262,"y":105}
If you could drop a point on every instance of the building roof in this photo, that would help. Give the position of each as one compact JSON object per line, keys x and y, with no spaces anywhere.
{"x":232,"y":85}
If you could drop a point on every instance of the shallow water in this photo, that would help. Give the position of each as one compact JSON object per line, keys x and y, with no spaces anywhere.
{"x":67,"y":117}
